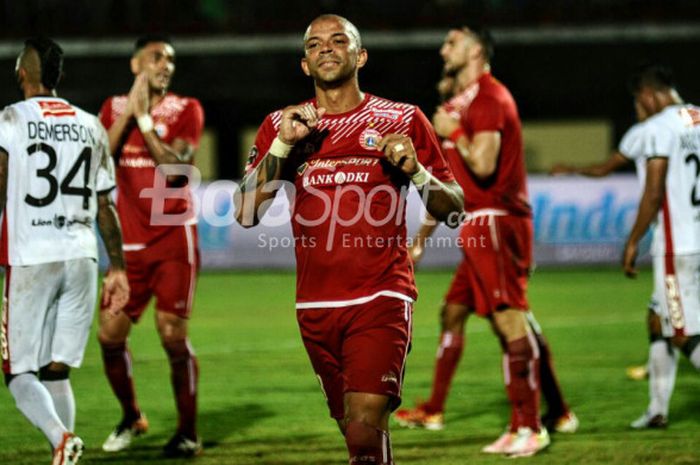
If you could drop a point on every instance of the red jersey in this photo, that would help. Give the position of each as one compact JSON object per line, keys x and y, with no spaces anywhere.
{"x":174,"y":117}
{"x":487,"y":105}
{"x":348,"y":210}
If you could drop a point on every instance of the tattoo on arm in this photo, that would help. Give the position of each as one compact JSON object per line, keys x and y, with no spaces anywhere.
{"x":110,"y":230}
{"x":270,"y":169}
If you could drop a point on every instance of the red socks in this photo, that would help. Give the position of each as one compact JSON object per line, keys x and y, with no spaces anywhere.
{"x":448,"y":355}
{"x":367,"y":445}
{"x":549,"y":384}
{"x":521,"y":370}
{"x":117,"y":364}
{"x":184,"y":373}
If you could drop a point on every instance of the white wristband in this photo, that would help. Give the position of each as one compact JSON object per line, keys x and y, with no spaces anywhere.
{"x":280,"y":149}
{"x":145,"y":123}
{"x":421,"y":178}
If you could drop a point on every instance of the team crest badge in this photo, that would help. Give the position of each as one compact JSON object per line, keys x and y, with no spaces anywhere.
{"x":369,"y":138}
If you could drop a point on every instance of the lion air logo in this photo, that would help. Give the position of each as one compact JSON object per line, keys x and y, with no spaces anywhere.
{"x":369,"y":138}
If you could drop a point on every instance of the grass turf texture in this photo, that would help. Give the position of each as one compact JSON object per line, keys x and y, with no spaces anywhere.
{"x":260,"y":402}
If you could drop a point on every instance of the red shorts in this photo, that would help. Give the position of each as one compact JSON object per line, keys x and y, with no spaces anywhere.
{"x":167,"y":269}
{"x":361,"y":348}
{"x":496,"y":265}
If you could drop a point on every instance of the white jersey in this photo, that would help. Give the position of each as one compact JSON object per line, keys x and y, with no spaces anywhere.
{"x":675,"y":134}
{"x":632,"y":147}
{"x":59,"y":161}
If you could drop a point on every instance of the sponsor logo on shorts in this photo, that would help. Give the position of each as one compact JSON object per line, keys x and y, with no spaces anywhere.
{"x":673,"y":296}
{"x":390,"y":378}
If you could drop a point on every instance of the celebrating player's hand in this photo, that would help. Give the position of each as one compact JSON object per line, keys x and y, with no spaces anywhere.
{"x":298,"y":121}
{"x":138,"y":102}
{"x":444,"y":123}
{"x":399,"y":151}
{"x":115,"y":291}
{"x":629,"y":259}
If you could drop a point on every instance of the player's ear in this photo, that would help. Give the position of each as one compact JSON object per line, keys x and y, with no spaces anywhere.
{"x":476,"y":51}
{"x":135,"y":65}
{"x":361,"y":57}
{"x":305,"y":67}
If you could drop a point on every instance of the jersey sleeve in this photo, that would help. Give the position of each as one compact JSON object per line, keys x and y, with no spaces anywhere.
{"x":7,"y":123}
{"x":105,"y":178}
{"x":484,"y":114}
{"x":660,"y":142}
{"x":191,"y":123}
{"x":105,"y":114}
{"x":263,"y":139}
{"x":428,"y":148}
{"x":632,"y":143}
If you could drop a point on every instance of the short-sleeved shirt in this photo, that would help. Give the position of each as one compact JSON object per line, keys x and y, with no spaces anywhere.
{"x":174,"y":117}
{"x":58,"y":162}
{"x":348,"y":209}
{"x":674,"y":134}
{"x":487,"y":105}
{"x":632,"y":147}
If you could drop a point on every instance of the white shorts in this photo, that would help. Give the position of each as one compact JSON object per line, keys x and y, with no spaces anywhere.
{"x":47,"y":312}
{"x":677,"y":291}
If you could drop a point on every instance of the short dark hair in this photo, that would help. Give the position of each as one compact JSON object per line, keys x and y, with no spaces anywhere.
{"x":50,"y":59}
{"x":142,"y":41}
{"x":654,"y":75}
{"x":483,"y":36}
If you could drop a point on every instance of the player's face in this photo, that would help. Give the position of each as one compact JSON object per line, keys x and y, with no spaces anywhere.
{"x":331,"y":53}
{"x":455,"y":51}
{"x":157,"y":60}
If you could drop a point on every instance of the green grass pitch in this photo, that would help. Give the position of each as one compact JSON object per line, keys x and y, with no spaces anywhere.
{"x":261,"y":404}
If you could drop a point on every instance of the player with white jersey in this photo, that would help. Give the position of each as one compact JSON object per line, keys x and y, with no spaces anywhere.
{"x":56,"y":178}
{"x":672,"y":199}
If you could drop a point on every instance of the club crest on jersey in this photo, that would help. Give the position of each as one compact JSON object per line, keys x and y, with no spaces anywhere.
{"x":369,"y":139}
{"x":161,"y":129}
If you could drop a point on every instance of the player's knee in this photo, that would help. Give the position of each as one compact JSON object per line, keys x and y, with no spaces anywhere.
{"x":171,"y":327}
{"x":654,"y":326}
{"x":452,"y":317}
{"x":54,"y":371}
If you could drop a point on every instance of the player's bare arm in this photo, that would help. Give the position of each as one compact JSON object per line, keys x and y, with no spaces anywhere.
{"x":115,"y":287}
{"x":427,"y":228}
{"x":649,"y":205}
{"x":297,"y":122}
{"x":615,"y":162}
{"x":443,"y":199}
{"x":480,"y":154}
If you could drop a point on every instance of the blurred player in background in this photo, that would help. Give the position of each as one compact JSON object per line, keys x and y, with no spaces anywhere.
{"x":356,"y":153}
{"x":482,"y":139}
{"x":631,"y":150}
{"x":671,"y":197}
{"x":147,"y":128}
{"x":56,"y":175}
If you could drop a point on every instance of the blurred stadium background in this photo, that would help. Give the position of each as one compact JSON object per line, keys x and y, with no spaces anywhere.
{"x":566,"y":62}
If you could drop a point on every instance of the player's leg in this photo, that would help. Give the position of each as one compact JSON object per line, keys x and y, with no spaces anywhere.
{"x":375,"y":346}
{"x":558,"y":417}
{"x":24,"y":343}
{"x":688,"y":294}
{"x":453,"y":317}
{"x":114,"y":329}
{"x":174,"y":287}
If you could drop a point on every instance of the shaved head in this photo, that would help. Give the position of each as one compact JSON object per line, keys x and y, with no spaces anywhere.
{"x":30,"y":62}
{"x":350,"y":29}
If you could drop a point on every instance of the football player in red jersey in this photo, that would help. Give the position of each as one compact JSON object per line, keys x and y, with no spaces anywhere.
{"x":148,"y":128}
{"x":350,"y":157}
{"x":482,"y":140}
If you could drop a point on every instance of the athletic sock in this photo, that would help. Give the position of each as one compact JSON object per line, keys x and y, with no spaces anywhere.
{"x":448,"y":355}
{"x":367,"y":445}
{"x":184,"y":373}
{"x":549,"y":384}
{"x":521,"y":369}
{"x":663,"y":363}
{"x":35,"y":403}
{"x":63,"y":400}
{"x":117,"y":363}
